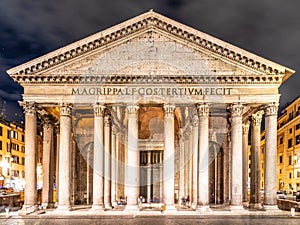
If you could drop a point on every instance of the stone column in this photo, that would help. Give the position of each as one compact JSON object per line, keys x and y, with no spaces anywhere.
{"x":182,"y":166}
{"x":149,"y":176}
{"x":30,"y":193}
{"x":168,"y":162}
{"x":113,"y":167}
{"x":107,"y":162}
{"x":48,"y":167}
{"x":203,"y":158}
{"x":255,"y":160}
{"x":132,"y":170}
{"x":57,"y":131}
{"x":270,"y":157}
{"x":186,"y":161}
{"x":195,"y":135}
{"x":117,"y":166}
{"x":237,"y":157}
{"x":245,"y":133}
{"x":98,"y":171}
{"x":65,"y":156}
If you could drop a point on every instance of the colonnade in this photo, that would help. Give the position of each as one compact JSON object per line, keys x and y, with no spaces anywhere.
{"x":194,"y":178}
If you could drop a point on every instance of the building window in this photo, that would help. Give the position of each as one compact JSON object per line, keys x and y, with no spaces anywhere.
{"x":280,"y":171}
{"x":280,"y":159}
{"x":262,"y":150}
{"x":298,"y":139}
{"x":1,"y":131}
{"x":23,"y":148}
{"x":281,"y":140}
{"x":262,"y":166}
{"x":298,"y":174}
{"x":291,"y":130}
{"x":290,"y":160}
{"x":1,"y":145}
{"x":290,"y":175}
{"x":298,"y":126}
{"x":23,"y":138}
{"x":290,"y":143}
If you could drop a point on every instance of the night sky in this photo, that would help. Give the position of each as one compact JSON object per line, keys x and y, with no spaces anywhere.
{"x":31,"y":28}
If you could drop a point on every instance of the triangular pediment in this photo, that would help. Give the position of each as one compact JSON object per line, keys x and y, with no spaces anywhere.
{"x":148,"y":25}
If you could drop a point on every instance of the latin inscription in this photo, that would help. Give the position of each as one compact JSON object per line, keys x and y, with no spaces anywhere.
{"x":162,"y":91}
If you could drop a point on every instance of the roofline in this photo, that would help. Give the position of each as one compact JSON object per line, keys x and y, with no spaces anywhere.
{"x":152,"y":18}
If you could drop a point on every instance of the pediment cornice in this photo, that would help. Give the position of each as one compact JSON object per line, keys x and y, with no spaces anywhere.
{"x":147,"y":22}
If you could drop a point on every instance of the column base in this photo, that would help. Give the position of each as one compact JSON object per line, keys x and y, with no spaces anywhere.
{"x":168,"y":209}
{"x":63,"y":209}
{"x":237,"y":208}
{"x":132,"y":208}
{"x":99,"y":208}
{"x":108,"y":206}
{"x":194,"y":206}
{"x":203,"y":209}
{"x":255,"y":206}
{"x":27,"y":209}
{"x":272,"y":208}
{"x":246,"y":204}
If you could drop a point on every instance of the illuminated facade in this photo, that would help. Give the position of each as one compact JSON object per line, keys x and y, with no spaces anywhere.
{"x":152,"y":108}
{"x":12,"y":155}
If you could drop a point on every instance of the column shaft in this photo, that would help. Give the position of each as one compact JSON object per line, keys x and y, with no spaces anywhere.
{"x":113,"y":167}
{"x":107,"y":162}
{"x":98,"y":165}
{"x":270,"y":157}
{"x":245,"y":161}
{"x":132,"y":170}
{"x":255,"y":160}
{"x":65,"y":157}
{"x":30,"y":194}
{"x":203,"y":159}
{"x":237,"y":157}
{"x":47,"y":192}
{"x":195,"y":134}
{"x":168,"y":166}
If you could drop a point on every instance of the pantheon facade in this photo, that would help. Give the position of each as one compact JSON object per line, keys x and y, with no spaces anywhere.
{"x":151,"y":110}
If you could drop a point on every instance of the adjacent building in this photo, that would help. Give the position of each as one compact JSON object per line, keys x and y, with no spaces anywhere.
{"x":12,"y":155}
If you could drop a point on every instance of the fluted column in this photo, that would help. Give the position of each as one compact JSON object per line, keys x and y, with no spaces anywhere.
{"x":270,"y":157}
{"x":195,"y":134}
{"x":30,"y":194}
{"x":107,"y":162}
{"x":255,"y":160}
{"x":168,"y":162}
{"x":65,"y":156}
{"x":132,"y":170}
{"x":237,"y":157}
{"x":203,"y":159}
{"x":245,"y":162}
{"x":48,"y":165}
{"x":98,"y":165}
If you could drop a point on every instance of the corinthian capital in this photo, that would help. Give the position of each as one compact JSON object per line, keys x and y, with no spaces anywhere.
{"x":99,"y":110}
{"x":133,"y":110}
{"x":245,"y":127}
{"x":195,"y":121}
{"x":256,"y":118}
{"x":29,"y":108}
{"x":203,"y":109}
{"x":65,"y":109}
{"x":271,"y":109}
{"x":169,"y":110}
{"x":236,"y":110}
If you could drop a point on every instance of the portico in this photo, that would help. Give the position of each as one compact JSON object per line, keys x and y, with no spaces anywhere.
{"x":151,"y":108}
